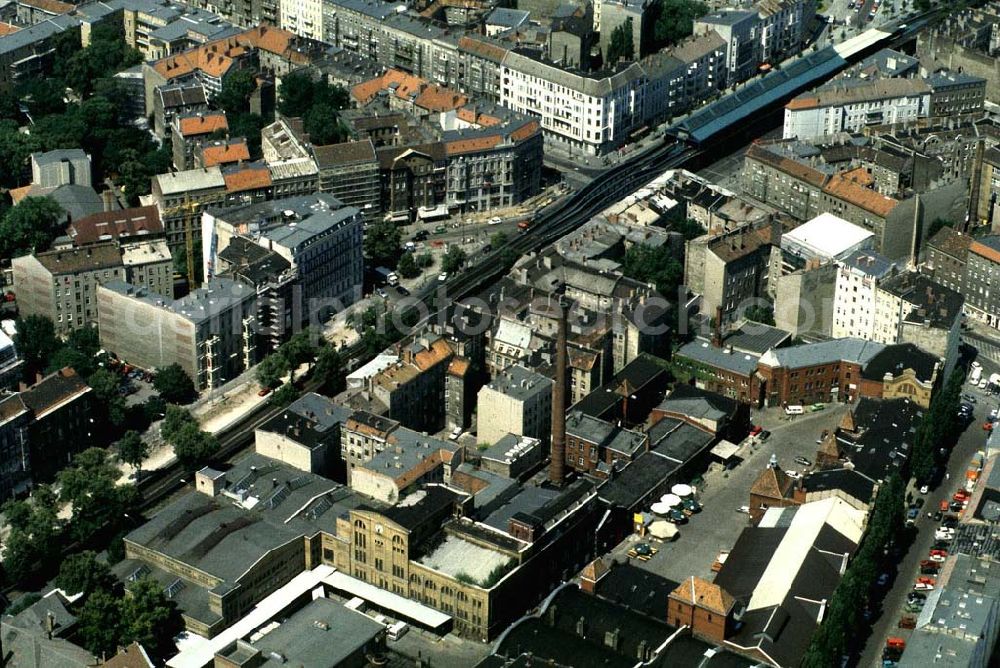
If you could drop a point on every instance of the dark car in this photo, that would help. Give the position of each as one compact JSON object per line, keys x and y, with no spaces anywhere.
{"x":916,"y":596}
{"x":421,"y":235}
{"x":403,"y":291}
{"x":919,"y":503}
{"x":763,"y":435}
{"x":937,"y":516}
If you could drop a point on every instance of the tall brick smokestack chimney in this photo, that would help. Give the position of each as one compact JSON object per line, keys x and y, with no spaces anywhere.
{"x":557,"y":465}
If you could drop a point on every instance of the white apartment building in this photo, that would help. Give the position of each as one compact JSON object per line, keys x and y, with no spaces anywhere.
{"x":518,"y":401}
{"x":577,"y":112}
{"x":302,"y":17}
{"x":850,"y":105}
{"x":854,"y":297}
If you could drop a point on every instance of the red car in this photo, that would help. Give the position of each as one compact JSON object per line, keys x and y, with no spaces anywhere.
{"x":961,"y":495}
{"x":756,"y":429}
{"x":927,"y":563}
{"x":987,"y":426}
{"x":938,"y":555}
{"x":264,"y":391}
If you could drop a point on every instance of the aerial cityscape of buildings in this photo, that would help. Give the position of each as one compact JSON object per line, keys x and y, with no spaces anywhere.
{"x":575,"y":333}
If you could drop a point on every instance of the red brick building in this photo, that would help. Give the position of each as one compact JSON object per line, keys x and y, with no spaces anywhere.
{"x":704,"y":607}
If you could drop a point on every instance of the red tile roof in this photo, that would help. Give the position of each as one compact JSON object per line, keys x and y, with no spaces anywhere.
{"x":249,"y":178}
{"x":203,"y":124}
{"x":225,"y":153}
{"x":408,"y":87}
{"x":869,"y":200}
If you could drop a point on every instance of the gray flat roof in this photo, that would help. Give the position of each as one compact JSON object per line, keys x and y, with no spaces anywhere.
{"x":36,"y":33}
{"x":704,"y":352}
{"x":823,"y":352}
{"x":520,"y":383}
{"x":320,"y":635}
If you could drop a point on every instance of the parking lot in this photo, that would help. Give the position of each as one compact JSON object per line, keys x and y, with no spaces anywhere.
{"x":722,"y":493}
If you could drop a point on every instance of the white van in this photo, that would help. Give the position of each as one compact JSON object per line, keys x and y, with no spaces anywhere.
{"x":794,"y":410}
{"x":397,"y":630}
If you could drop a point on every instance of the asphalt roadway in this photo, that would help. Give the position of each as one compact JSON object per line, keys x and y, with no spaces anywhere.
{"x":894,"y":602}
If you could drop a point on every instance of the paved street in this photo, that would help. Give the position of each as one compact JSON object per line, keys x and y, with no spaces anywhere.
{"x":719,"y":524}
{"x":971,"y":440}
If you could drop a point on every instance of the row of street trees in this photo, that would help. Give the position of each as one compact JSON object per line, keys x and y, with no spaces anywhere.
{"x":844,"y":617}
{"x":99,"y":511}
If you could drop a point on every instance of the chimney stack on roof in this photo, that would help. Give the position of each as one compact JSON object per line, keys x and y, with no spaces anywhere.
{"x":557,"y":466}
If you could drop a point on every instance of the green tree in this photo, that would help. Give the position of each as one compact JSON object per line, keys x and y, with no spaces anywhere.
{"x":133,"y":450}
{"x":234,"y":98}
{"x":36,"y":342}
{"x":15,"y":149}
{"x":193,"y":446}
{"x":110,"y":402}
{"x":654,"y":264}
{"x":762,"y":313}
{"x":175,"y":418}
{"x":295,"y":94}
{"x":620,"y":46}
{"x":382,"y":244}
{"x":453,"y":259}
{"x":90,"y":468}
{"x":689,"y":228}
{"x":673,"y":21}
{"x":150,"y":619}
{"x":425,"y":260}
{"x":174,"y":385}
{"x":101,"y":623}
{"x":407,"y":266}
{"x":498,"y":239}
{"x":34,"y":535}
{"x":324,"y":126}
{"x":297,"y":351}
{"x":155,"y":408}
{"x":30,"y":226}
{"x":284,"y":395}
{"x":70,"y":357}
{"x":271,"y":369}
{"x":83,"y":573}
{"x":329,"y":370}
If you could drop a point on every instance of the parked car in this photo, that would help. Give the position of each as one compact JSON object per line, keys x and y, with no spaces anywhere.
{"x":883,"y":580}
{"x":923,"y":586}
{"x":421,"y":235}
{"x":442,"y":277}
{"x":794,"y":475}
{"x":264,"y":391}
{"x":907,"y":622}
{"x":916,"y":596}
{"x":969,"y":397}
{"x":743,"y":509}
{"x":764,"y":435}
{"x":816,"y":407}
{"x":455,"y":433}
{"x":924,"y":489}
{"x":937,"y":516}
{"x":402,"y":291}
{"x":755,"y":429}
{"x":803,"y":461}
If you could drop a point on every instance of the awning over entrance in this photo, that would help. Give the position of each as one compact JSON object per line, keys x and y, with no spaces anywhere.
{"x":725,"y":450}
